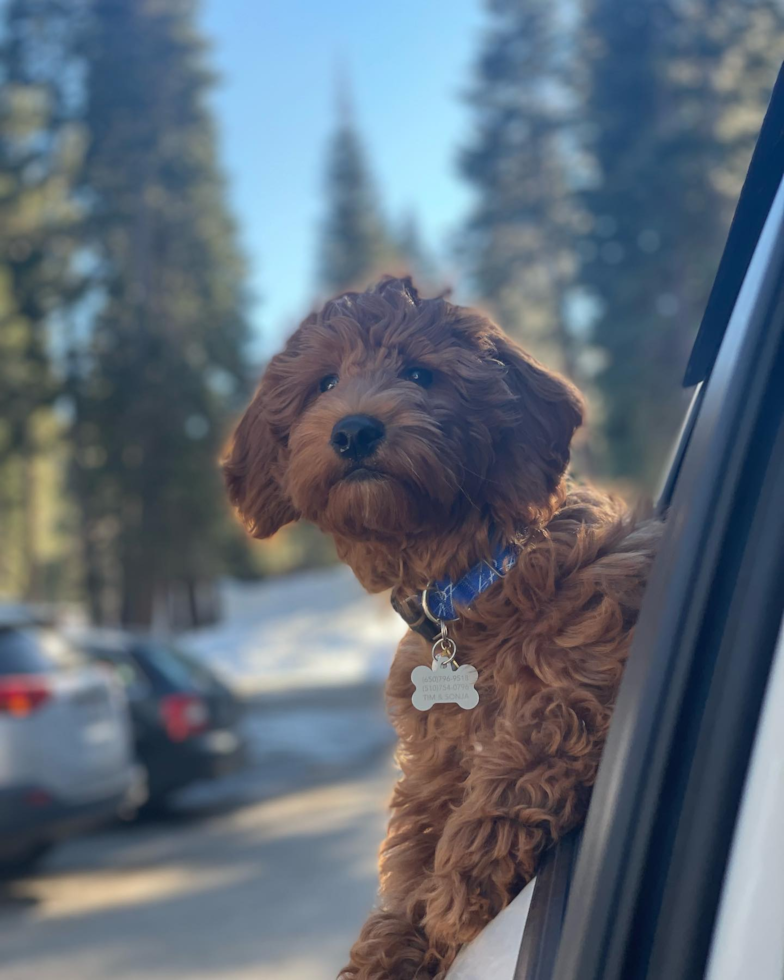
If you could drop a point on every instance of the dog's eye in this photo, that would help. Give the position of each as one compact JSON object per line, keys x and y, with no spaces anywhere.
{"x":419,"y":375}
{"x":328,"y":381}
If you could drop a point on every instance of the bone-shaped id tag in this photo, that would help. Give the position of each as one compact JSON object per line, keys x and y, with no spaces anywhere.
{"x":441,"y":684}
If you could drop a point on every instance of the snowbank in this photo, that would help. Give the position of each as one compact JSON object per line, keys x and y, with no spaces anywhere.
{"x":313,"y":629}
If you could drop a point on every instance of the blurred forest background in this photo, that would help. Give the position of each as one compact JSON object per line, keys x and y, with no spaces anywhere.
{"x":605,"y":143}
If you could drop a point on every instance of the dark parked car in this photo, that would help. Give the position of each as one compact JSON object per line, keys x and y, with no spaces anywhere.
{"x":187,"y":723}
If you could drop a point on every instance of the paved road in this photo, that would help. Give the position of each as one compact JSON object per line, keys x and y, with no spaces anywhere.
{"x":236,"y":887}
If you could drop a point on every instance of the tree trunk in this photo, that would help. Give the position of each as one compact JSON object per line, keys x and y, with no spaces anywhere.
{"x":30,"y":521}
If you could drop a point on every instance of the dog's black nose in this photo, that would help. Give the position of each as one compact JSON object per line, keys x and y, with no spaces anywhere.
{"x":357,"y":436}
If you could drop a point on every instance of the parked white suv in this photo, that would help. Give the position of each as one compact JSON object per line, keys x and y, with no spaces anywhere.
{"x":65,"y":741}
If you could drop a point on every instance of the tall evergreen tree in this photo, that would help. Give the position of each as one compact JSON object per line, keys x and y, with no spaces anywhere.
{"x":153,"y":383}
{"x":668,"y":154}
{"x":518,"y":245}
{"x":354,"y":240}
{"x":39,"y":154}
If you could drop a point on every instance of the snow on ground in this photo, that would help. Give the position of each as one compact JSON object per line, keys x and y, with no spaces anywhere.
{"x":312,"y":651}
{"x":325,"y":736}
{"x":313,"y":629}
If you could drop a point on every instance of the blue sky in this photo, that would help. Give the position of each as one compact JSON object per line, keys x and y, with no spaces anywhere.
{"x":409,"y":63}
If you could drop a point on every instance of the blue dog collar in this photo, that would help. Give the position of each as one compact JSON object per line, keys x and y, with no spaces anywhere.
{"x":441,"y":599}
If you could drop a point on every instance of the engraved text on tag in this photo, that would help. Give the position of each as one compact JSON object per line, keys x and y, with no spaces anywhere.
{"x":440,"y":684}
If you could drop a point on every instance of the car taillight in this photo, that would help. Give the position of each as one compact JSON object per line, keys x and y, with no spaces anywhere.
{"x":184,"y":715}
{"x":20,"y":695}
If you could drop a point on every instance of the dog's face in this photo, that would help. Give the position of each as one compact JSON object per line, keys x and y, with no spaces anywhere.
{"x":388,"y":416}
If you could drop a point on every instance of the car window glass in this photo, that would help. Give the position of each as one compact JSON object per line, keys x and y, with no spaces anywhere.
{"x":35,"y":651}
{"x":58,"y":651}
{"x":176,"y":669}
{"x":204,"y":676}
{"x":126,"y":669}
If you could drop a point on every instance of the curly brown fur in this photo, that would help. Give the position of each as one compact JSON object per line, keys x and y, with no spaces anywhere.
{"x":480,"y":454}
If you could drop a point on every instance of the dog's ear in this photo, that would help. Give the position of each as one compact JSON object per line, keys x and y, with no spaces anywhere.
{"x":538,"y":426}
{"x":252,"y":469}
{"x":551,"y":409}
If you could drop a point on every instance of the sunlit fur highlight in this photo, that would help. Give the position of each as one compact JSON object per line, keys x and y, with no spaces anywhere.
{"x":481,"y":453}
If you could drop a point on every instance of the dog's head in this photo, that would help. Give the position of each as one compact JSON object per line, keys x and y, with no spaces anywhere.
{"x":388,"y":415}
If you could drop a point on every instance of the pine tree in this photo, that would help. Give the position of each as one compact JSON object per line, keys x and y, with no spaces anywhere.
{"x":518,"y":240}
{"x":668,"y":159}
{"x":354,"y":241}
{"x":39,"y":153}
{"x":155,"y":379}
{"x":738,"y":48}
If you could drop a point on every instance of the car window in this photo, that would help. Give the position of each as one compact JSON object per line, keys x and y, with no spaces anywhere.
{"x":174,"y":667}
{"x":35,"y":651}
{"x":203,"y":674}
{"x":125,"y":668}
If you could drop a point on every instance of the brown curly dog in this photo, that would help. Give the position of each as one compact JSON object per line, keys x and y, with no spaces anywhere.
{"x":419,"y":436}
